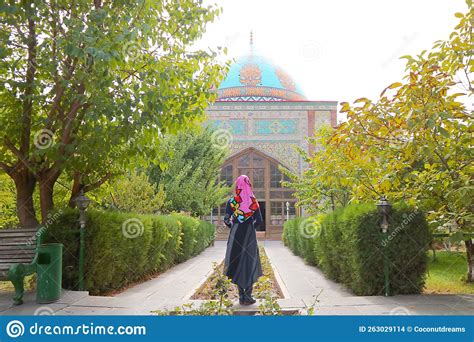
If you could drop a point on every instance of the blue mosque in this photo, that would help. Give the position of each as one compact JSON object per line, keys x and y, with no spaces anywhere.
{"x":267,"y":116}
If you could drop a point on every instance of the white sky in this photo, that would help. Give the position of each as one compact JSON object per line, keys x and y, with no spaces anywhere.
{"x":334,"y":49}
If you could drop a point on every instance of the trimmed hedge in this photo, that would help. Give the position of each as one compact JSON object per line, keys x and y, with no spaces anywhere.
{"x":347,"y":245}
{"x":113,"y":261}
{"x":295,"y":235}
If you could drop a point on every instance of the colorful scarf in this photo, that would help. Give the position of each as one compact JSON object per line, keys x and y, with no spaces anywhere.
{"x":243,"y":203}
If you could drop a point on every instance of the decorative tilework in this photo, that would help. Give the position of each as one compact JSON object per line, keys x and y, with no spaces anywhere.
{"x":237,"y":127}
{"x":250,"y":75}
{"x":257,"y":93}
{"x":281,"y":126}
{"x":274,"y":106}
{"x":284,"y":152}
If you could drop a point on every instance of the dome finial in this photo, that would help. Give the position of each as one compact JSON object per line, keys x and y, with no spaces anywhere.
{"x":251,"y":42}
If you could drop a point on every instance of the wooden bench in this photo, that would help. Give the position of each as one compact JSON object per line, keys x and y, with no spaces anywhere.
{"x":18,"y":257}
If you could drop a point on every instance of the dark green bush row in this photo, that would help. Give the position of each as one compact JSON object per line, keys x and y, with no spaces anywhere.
{"x":348,"y":246}
{"x":113,"y":260}
{"x":295,"y":236}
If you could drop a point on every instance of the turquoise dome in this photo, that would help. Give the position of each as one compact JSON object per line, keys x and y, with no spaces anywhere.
{"x":253,"y":78}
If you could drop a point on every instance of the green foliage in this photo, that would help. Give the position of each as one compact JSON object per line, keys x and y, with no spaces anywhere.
{"x":420,"y":131}
{"x":326,"y":183}
{"x":269,"y":305}
{"x":189,"y":173}
{"x":299,"y":235}
{"x":124,"y":248}
{"x":349,"y":248}
{"x":87,"y":87}
{"x":132,"y":193}
{"x":206,"y":228}
{"x":8,"y":216}
{"x":291,"y":235}
{"x":189,"y":235}
{"x":412,"y":144}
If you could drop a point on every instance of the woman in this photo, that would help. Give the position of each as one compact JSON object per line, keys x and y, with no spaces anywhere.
{"x":242,"y":260}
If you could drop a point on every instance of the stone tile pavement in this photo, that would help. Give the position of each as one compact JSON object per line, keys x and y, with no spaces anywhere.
{"x":304,"y":281}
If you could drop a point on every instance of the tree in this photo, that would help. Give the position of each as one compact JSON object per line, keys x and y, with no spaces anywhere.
{"x":131,"y":193}
{"x":415,"y":142}
{"x":424,"y":133}
{"x":323,"y":185}
{"x":87,"y":85}
{"x":190,"y":172}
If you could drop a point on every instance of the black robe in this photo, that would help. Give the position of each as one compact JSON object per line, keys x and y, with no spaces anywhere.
{"x":242,"y":260}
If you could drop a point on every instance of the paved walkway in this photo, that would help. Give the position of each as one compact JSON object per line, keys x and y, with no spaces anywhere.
{"x":303,"y":281}
{"x":299,"y":282}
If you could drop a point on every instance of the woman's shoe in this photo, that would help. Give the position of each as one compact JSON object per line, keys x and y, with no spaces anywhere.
{"x":249,"y":300}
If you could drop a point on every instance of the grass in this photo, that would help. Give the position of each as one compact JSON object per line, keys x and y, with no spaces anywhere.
{"x":447,"y":274}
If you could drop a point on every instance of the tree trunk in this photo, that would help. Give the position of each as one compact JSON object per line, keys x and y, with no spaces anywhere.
{"x":46,"y":181}
{"x":76,"y":187}
{"x":25,"y":183}
{"x":470,"y":259}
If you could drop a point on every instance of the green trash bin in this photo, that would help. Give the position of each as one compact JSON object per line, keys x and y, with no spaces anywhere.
{"x":49,"y":272}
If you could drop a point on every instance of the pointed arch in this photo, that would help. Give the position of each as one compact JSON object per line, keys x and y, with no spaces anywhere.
{"x":258,"y":152}
{"x":266,"y":178}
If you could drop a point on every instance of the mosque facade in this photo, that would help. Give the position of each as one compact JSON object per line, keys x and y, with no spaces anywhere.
{"x":266,"y":117}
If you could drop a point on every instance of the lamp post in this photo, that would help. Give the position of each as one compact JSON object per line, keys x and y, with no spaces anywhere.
{"x":384,"y":208}
{"x":82,"y":202}
{"x":287,"y":211}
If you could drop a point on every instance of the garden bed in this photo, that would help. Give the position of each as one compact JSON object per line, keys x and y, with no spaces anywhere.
{"x":207,"y":290}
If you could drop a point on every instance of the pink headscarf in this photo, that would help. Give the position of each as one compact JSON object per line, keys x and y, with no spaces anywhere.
{"x":243,"y":203}
{"x":243,"y":183}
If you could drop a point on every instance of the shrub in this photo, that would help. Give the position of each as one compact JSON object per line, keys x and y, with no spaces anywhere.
{"x":289,"y":234}
{"x":349,"y":248}
{"x":113,"y":260}
{"x":208,"y":230}
{"x":299,"y":235}
{"x":189,"y":227}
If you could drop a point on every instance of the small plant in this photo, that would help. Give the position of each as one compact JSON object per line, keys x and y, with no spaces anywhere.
{"x":310,"y":311}
{"x":269,"y":305}
{"x":221,"y":306}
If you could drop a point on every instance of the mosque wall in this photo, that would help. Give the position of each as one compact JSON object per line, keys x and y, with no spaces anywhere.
{"x":275,"y":129}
